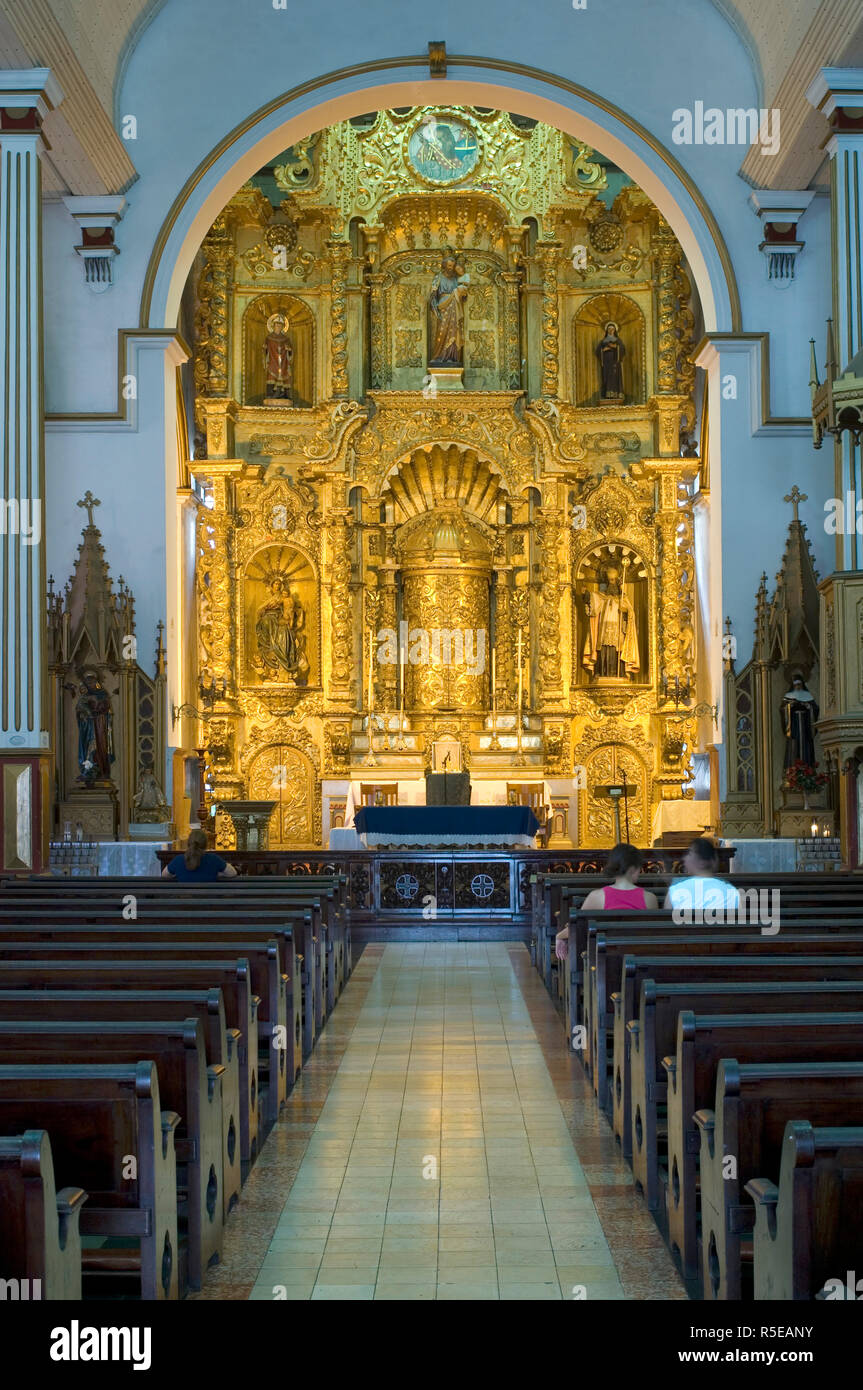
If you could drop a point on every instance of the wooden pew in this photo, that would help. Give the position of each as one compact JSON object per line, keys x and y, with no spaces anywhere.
{"x":753,"y":1105}
{"x":329,"y":918}
{"x":808,"y":1028}
{"x":796,"y":892}
{"x":590,"y":986}
{"x":653,"y":1037}
{"x":300,"y":949}
{"x":77,"y":965}
{"x":696,"y":966}
{"x":203,"y":934}
{"x":268,"y":983}
{"x":96,"y":1114}
{"x":186,"y":1083}
{"x":40,"y":1243}
{"x":132,"y":1005}
{"x":808,"y":1229}
{"x":608,"y":948}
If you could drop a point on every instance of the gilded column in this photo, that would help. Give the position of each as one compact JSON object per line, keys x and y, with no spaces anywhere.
{"x":665,"y":261}
{"x":548,"y":254}
{"x":503,"y":640}
{"x":340,"y":534}
{"x":668,"y":402}
{"x":376,"y":283}
{"x":216,"y":589}
{"x":25,"y":795}
{"x":550,"y":673}
{"x":388,"y":675}
{"x":212,"y":326}
{"x":377,"y":333}
{"x":340,"y":255}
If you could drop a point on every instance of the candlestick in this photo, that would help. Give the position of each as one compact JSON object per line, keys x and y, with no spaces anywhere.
{"x":371,"y":676}
{"x":814,"y":828}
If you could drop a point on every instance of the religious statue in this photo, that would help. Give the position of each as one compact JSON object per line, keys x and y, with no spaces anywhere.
{"x":149,"y":806}
{"x":611,"y":352}
{"x":95,"y":729}
{"x":446,"y":301}
{"x":279,"y":631}
{"x":279,"y":359}
{"x":611,"y":642}
{"x":799,"y":716}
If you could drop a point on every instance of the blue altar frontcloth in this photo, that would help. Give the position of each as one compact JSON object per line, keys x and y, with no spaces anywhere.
{"x":459,"y":826}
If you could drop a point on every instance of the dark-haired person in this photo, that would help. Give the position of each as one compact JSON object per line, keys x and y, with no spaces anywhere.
{"x":198,"y":864}
{"x":701,"y":890}
{"x":623,"y":867}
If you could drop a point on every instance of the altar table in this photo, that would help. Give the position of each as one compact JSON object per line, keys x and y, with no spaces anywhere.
{"x":495,"y":827}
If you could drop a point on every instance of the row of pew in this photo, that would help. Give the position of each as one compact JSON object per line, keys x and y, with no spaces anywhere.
{"x":729,"y":1064}
{"x":150,"y":1034}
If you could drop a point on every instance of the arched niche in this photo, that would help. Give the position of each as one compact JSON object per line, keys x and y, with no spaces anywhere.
{"x":589,"y":329}
{"x":611,"y":584}
{"x":300,"y":325}
{"x":281,"y":620}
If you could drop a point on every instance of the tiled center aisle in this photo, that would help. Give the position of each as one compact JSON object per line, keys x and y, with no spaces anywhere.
{"x":441,"y":1166}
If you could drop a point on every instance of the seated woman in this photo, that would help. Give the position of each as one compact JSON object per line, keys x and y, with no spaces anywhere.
{"x":198,"y":864}
{"x":623,"y":866}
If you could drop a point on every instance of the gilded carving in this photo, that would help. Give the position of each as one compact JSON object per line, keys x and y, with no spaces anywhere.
{"x":475,"y":511}
{"x":408,"y":347}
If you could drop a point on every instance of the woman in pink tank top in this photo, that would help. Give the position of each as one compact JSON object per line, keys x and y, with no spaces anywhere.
{"x":623,"y":867}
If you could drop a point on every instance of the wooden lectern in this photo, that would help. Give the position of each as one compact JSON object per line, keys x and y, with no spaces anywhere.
{"x":617,"y":792}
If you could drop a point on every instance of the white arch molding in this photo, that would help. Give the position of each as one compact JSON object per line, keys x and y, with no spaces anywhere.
{"x":543,"y":96}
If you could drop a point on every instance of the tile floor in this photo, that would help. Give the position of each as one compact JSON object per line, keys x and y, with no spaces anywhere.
{"x":442,"y":1145}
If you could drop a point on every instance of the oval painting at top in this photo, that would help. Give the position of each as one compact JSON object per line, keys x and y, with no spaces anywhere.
{"x":443,"y":150}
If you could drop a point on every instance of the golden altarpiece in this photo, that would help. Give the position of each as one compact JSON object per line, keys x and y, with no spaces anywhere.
{"x":349,"y":484}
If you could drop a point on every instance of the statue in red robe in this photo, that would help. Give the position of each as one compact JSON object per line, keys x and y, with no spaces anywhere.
{"x":279,"y":359}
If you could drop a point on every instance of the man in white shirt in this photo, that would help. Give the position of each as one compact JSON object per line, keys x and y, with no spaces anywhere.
{"x":701,"y":897}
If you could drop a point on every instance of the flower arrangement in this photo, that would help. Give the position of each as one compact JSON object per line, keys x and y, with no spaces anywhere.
{"x":804,"y":777}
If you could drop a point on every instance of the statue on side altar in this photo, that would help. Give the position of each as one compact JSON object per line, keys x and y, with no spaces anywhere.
{"x":149,"y":806}
{"x":279,"y":629}
{"x":611,"y":352}
{"x":611,"y":642}
{"x":800,"y":713}
{"x":95,"y":729}
{"x":279,"y":360}
{"x":446,"y":301}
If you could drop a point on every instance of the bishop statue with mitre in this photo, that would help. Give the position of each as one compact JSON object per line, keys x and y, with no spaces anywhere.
{"x":611,"y":642}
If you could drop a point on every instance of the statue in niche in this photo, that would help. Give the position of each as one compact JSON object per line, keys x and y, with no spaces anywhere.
{"x":95,"y":729}
{"x":446,"y":301}
{"x":278,"y":360}
{"x":799,"y":716}
{"x":611,"y":352}
{"x":279,"y":629}
{"x":611,"y":643}
{"x":149,"y":806}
